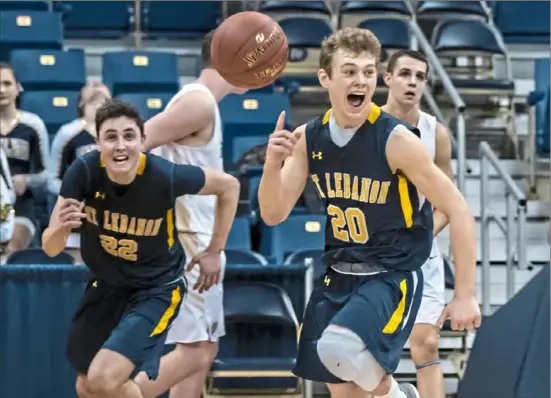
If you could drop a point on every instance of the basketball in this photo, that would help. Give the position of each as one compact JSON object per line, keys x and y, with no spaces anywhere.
{"x":249,"y":50}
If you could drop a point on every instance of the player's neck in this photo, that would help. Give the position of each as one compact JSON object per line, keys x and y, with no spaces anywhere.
{"x":215,"y":83}
{"x":123,"y":178}
{"x":8,"y":113}
{"x":409,"y":114}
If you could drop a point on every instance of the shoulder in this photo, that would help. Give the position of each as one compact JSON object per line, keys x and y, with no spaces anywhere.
{"x":158,"y":167}
{"x":91,"y":160}
{"x":389,"y":124}
{"x":33,"y":121}
{"x":69,"y":130}
{"x":196,"y":95}
{"x":313,"y":127}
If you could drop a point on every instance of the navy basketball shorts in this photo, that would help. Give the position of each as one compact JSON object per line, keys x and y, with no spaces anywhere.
{"x":133,"y":323}
{"x":381,"y":309}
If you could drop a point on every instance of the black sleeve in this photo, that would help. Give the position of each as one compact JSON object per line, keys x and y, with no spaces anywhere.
{"x":75,"y":181}
{"x":187,"y":180}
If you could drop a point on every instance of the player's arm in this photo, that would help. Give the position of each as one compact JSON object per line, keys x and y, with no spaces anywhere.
{"x":189,"y":114}
{"x":67,"y":213}
{"x":191,"y":180}
{"x":39,"y":156}
{"x":281,"y":187}
{"x":406,"y":153}
{"x":442,"y":159}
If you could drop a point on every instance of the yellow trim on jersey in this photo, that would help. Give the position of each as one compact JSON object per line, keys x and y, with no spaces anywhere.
{"x":398,"y":315}
{"x":405,"y":201}
{"x":175,"y":301}
{"x":326,"y":117}
{"x":141,"y":164}
{"x":374,"y":114}
{"x":170,"y":227}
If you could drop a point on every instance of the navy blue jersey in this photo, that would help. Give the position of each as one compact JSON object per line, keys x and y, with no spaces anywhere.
{"x":373,"y":214}
{"x":128,"y":238}
{"x":71,"y":141}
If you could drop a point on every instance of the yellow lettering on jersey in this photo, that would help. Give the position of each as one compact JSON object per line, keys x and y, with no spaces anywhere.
{"x":355,"y":195}
{"x":349,"y":224}
{"x":383,"y":192}
{"x":346,"y":186}
{"x":365,"y":185}
{"x":374,"y":191}
{"x":328,"y":185}
{"x":91,"y":215}
{"x":338,"y":184}
{"x":316,"y":181}
{"x":127,"y":249}
{"x":124,"y":224}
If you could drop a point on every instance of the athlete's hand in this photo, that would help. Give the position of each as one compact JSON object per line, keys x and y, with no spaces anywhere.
{"x":464,"y":313}
{"x":209,"y":263}
{"x":71,"y":214}
{"x":281,"y":143}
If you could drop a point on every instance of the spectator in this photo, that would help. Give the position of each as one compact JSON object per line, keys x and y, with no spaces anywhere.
{"x":72,"y":140}
{"x":7,"y":200}
{"x":25,"y":141}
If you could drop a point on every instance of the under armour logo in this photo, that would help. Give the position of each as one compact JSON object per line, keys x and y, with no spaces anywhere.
{"x":100,"y":195}
{"x":317,"y":155}
{"x":327,"y":281}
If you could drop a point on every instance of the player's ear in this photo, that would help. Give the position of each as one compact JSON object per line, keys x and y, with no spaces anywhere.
{"x":324,"y":78}
{"x":386,"y":77}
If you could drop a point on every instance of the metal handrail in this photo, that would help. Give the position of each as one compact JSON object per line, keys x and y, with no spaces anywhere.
{"x":459,"y":104}
{"x":515,"y":200}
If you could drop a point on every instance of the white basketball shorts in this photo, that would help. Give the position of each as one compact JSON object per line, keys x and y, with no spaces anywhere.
{"x":433,"y":301}
{"x":201,"y":316}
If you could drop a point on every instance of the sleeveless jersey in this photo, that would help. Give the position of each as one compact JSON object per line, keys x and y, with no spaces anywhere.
{"x":373,"y":215}
{"x":195,"y":214}
{"x":128,"y":238}
{"x":427,"y":128}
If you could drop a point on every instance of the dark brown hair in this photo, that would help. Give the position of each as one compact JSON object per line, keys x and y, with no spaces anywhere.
{"x":393,"y":60}
{"x":205,"y":50}
{"x":113,"y":109}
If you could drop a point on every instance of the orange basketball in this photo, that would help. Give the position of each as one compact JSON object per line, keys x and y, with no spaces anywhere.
{"x":249,"y":50}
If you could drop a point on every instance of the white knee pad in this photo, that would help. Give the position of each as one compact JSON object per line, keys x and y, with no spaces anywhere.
{"x":343,"y":353}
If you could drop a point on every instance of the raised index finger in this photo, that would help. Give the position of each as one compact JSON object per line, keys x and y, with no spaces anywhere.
{"x":280,"y":125}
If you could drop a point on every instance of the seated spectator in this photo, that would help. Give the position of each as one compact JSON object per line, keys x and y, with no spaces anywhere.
{"x":25,"y":140}
{"x":7,"y":200}
{"x":72,"y":140}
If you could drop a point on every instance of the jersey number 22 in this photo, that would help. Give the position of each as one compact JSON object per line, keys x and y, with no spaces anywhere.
{"x":124,"y":248}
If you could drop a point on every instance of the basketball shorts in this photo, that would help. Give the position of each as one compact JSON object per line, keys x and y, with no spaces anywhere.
{"x":201,"y":316}
{"x":434,"y":289}
{"x":133,"y":323}
{"x":24,"y":213}
{"x":379,"y":308}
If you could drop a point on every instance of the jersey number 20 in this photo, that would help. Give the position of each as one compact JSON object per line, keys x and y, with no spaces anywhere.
{"x":348,"y":225}
{"x":124,"y":248}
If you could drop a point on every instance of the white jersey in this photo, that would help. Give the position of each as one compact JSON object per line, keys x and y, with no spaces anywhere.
{"x":195,"y":213}
{"x":427,"y":127}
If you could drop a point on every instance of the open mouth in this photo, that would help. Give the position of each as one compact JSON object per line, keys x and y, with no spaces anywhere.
{"x":410,"y":94}
{"x":120,"y":159}
{"x":356,"y":99}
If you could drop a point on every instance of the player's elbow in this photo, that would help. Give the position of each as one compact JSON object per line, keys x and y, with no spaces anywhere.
{"x":271,"y":216}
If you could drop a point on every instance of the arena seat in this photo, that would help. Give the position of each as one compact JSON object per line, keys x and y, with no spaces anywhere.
{"x":353,"y":12}
{"x":523,"y":23}
{"x":38,"y":256}
{"x":84,"y":19}
{"x":180,"y":19}
{"x":147,"y":104}
{"x":298,"y":232}
{"x":279,"y":10}
{"x":303,"y":256}
{"x":23,"y":5}
{"x":140,"y":72}
{"x":54,"y":107}
{"x":538,"y":98}
{"x":240,"y":235}
{"x":50,"y":69}
{"x":304,"y":36}
{"x":249,"y":119}
{"x":440,"y":10}
{"x":244,"y":257}
{"x":29,"y":29}
{"x":259,"y":349}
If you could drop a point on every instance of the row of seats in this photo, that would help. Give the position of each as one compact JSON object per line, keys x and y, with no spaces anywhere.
{"x":540,"y":99}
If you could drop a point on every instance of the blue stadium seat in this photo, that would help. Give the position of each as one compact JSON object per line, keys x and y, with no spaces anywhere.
{"x":471,"y":38}
{"x":50,"y":69}
{"x":147,"y":104}
{"x":259,"y":350}
{"x":543,"y":144}
{"x":180,"y":19}
{"x":240,"y":235}
{"x":54,"y":107}
{"x":279,"y":10}
{"x":304,"y":36}
{"x":244,"y":257}
{"x":140,"y":71}
{"x":539,"y":98}
{"x":301,"y":257}
{"x":252,"y":116}
{"x":523,"y":22}
{"x":84,"y":19}
{"x":441,"y":10}
{"x":393,"y":34}
{"x":297,"y":233}
{"x":38,"y":256}
{"x":449,"y":276}
{"x":353,"y":12}
{"x":29,"y":29}
{"x":23,"y":5}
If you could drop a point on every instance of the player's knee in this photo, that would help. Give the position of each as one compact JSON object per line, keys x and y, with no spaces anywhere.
{"x":424,"y":345}
{"x":204,"y":353}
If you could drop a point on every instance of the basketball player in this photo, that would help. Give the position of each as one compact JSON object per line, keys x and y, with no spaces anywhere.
{"x":71,"y":141}
{"x":124,"y":201}
{"x":406,"y":79}
{"x":374,"y":173}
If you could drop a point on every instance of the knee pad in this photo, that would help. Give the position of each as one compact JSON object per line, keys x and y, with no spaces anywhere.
{"x":343,"y":353}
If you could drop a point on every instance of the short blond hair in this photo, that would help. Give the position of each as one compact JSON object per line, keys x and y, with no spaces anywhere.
{"x":354,"y":40}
